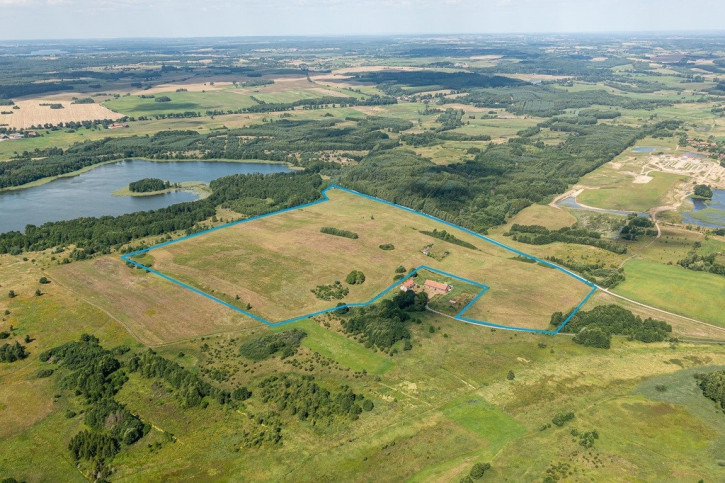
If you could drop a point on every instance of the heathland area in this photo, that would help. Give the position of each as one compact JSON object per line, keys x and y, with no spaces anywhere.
{"x":582,"y":152}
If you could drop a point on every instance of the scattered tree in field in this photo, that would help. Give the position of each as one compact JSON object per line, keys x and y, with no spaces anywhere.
{"x":355,"y":277}
{"x":560,"y":419}
{"x":38,"y":293}
{"x":478,"y":470}
{"x":163,"y":99}
{"x":43,"y":280}
{"x":12,"y":353}
{"x":510,"y":376}
{"x":11,"y":294}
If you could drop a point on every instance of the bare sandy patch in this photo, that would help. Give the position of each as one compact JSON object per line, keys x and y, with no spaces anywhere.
{"x":486,"y":57}
{"x":31,"y":113}
{"x":642,"y":179}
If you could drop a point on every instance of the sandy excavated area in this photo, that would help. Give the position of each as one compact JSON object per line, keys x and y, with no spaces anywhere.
{"x":31,"y":113}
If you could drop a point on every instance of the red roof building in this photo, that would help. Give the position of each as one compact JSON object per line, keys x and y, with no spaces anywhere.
{"x":437,"y":287}
{"x":408,"y":285}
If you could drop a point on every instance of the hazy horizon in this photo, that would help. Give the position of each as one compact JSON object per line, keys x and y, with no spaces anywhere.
{"x":124,"y":19}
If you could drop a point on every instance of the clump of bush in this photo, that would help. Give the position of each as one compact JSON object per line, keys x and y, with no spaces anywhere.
{"x":355,"y":277}
{"x":331,"y":291}
{"x":596,"y":327}
{"x":329,"y":230}
{"x":285,"y":343}
{"x":560,"y":419}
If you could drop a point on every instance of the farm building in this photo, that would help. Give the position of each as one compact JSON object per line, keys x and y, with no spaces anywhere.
{"x":408,"y":285}
{"x":437,"y":287}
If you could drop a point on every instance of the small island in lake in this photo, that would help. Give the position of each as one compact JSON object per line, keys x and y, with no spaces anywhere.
{"x":156,"y":186}
{"x":148,"y":185}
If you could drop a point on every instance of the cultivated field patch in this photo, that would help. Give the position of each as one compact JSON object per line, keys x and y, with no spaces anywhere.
{"x":280,"y":267}
{"x":37,"y":112}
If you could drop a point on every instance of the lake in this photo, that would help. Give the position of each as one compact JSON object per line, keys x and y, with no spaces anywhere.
{"x":89,"y":193}
{"x":649,"y":149}
{"x":709,"y":213}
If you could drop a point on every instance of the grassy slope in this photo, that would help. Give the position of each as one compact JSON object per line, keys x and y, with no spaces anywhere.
{"x":621,"y":194}
{"x":697,"y":294}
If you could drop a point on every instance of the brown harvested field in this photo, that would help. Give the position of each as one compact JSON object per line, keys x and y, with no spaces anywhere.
{"x":153,"y":310}
{"x":31,"y":113}
{"x":274,"y":263}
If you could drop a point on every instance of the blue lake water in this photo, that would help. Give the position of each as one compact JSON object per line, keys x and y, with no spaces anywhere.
{"x":715,"y":207}
{"x":649,"y":149}
{"x":89,"y":194}
{"x":694,"y":155}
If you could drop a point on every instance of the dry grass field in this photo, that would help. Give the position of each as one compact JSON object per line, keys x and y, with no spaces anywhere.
{"x":273,"y":263}
{"x":152,"y":310}
{"x":31,"y":113}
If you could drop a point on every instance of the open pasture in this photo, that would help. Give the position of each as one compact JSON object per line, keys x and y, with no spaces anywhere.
{"x":695,"y":294}
{"x":269,"y":267}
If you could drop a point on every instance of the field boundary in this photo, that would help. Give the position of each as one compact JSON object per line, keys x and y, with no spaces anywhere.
{"x":459,"y":316}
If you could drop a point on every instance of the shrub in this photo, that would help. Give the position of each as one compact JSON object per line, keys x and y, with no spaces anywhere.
{"x":478,"y":470}
{"x":337,"y":232}
{"x":43,"y":373}
{"x":560,"y":419}
{"x":593,"y":337}
{"x":264,"y":347}
{"x":355,"y":277}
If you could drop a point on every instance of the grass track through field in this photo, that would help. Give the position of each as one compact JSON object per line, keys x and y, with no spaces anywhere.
{"x":128,"y":258}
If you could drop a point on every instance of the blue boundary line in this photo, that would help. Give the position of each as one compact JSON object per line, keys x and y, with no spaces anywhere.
{"x":458,"y":316}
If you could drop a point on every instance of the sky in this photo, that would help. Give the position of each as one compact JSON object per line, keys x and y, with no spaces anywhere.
{"x":78,"y":19}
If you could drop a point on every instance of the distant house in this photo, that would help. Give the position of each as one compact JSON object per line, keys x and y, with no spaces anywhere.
{"x":116,"y":125}
{"x":15,"y":136}
{"x":32,"y":134}
{"x":437,"y":287}
{"x":408,"y":285}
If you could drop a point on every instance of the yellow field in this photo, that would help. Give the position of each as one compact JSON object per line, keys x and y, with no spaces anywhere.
{"x":273,"y":263}
{"x":31,"y":113}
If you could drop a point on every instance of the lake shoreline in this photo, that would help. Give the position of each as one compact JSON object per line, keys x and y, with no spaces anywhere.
{"x":91,"y":194}
{"x":49,"y":179}
{"x":199,"y":188}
